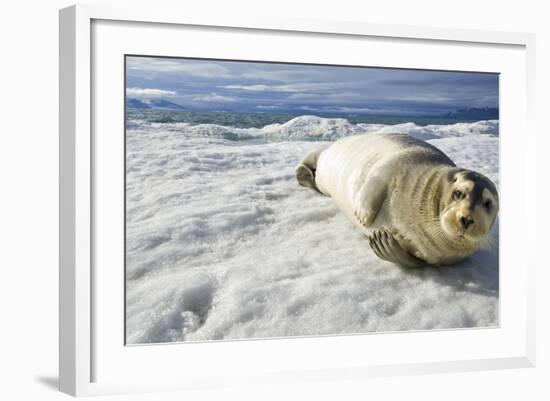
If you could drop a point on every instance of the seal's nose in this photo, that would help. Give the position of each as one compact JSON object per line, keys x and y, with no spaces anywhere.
{"x":466,"y":221}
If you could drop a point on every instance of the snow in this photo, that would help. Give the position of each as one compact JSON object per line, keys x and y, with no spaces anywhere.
{"x":222,"y":243}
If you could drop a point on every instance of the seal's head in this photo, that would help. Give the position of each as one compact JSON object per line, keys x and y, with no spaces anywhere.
{"x":468,"y":206}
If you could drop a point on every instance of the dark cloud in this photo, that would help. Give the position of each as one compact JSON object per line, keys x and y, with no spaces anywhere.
{"x":270,"y":86}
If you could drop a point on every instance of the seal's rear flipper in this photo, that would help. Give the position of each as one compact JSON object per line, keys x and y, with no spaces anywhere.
{"x":305,"y":172}
{"x":305,"y":176}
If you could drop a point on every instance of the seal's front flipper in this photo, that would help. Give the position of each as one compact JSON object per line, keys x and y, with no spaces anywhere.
{"x":386,"y":247}
{"x":369,"y":199}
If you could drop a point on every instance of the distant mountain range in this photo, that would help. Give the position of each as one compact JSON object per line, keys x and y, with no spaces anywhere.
{"x":158,"y":104}
{"x":472,"y":113}
{"x":483,"y":113}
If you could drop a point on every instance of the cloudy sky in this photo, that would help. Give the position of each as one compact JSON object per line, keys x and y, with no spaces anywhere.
{"x":247,"y":86}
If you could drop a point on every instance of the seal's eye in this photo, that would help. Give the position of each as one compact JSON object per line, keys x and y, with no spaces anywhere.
{"x":488,"y":205}
{"x":457,"y":195}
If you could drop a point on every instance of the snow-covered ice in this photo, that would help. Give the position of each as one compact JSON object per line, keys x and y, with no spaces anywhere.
{"x":222,"y":243}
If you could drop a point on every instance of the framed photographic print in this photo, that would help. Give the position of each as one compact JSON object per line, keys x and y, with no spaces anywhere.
{"x":275,"y":200}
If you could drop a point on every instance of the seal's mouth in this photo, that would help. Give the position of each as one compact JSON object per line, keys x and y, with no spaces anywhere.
{"x":455,"y":232}
{"x":462,"y":238}
{"x":465,"y":236}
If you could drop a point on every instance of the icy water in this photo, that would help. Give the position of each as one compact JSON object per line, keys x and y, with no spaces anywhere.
{"x":258,"y":120}
{"x":222,"y":243}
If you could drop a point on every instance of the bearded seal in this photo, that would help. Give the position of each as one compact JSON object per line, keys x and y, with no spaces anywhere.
{"x":415,"y":206}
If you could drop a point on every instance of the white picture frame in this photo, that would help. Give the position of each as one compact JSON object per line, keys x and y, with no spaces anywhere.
{"x":85,"y":351}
